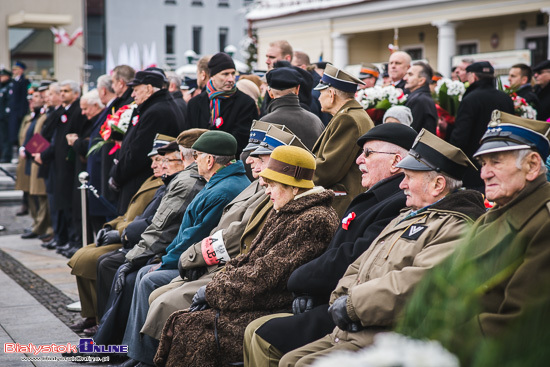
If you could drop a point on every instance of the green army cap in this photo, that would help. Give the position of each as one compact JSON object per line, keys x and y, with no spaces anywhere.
{"x":216,"y":143}
{"x":507,"y":132}
{"x":160,"y":141}
{"x":339,"y":79}
{"x":430,"y":153}
{"x":277,"y":136}
{"x":257,"y":134}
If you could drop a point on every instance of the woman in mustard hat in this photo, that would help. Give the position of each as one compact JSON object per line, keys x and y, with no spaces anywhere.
{"x":253,"y":284}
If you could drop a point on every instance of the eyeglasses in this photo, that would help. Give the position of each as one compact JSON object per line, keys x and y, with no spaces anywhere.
{"x":166,"y":160}
{"x":368,"y":152}
{"x":195,"y":155}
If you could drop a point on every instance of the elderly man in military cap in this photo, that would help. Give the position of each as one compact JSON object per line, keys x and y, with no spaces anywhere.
{"x":285,"y":109}
{"x":156,"y":113}
{"x":269,"y":337}
{"x":474,"y":113}
{"x":504,"y":262}
{"x":221,"y":106}
{"x":368,"y":74}
{"x":374,"y":288}
{"x":335,"y":150}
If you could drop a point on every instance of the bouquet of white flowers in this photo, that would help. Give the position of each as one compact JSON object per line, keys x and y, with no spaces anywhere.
{"x":448,"y":94}
{"x":377,"y":100}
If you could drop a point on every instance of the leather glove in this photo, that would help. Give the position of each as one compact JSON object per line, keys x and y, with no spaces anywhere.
{"x":340,"y":316}
{"x":193,"y":274}
{"x":109,"y":237}
{"x":100,"y":233}
{"x":120,"y":279}
{"x":199,"y":300}
{"x":113,"y":185}
{"x":302,"y":304}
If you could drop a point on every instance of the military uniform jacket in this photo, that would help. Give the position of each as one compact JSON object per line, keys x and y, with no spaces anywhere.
{"x":164,"y":225}
{"x":232,"y":224}
{"x":336,"y":151}
{"x":37,"y":184}
{"x":518,"y":231}
{"x":381,"y":280}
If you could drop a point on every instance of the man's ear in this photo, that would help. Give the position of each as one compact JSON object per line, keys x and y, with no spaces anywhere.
{"x":437,"y":186}
{"x":396,"y":158}
{"x":533,"y":164}
{"x":270,"y":93}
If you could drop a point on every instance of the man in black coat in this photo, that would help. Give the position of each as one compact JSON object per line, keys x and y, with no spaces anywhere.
{"x":156,"y":113}
{"x":61,"y":159}
{"x":542,"y":79}
{"x":519,"y":77}
{"x":221,"y":106}
{"x":420,"y":99}
{"x":270,"y":337}
{"x":18,"y":105}
{"x":474,"y":113}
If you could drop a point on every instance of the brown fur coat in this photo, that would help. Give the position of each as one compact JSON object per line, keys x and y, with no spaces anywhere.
{"x":252,"y":285}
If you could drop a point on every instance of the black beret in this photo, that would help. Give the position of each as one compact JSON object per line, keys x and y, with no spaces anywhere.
{"x":483,"y":67}
{"x":154,"y":78}
{"x":217,"y":143}
{"x":219,"y":62}
{"x":283,"y":78}
{"x":158,"y":70}
{"x":541,"y":66}
{"x":398,"y":134}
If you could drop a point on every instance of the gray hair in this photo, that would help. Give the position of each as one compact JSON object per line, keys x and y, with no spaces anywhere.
{"x":523,"y":153}
{"x":92,"y":97}
{"x":72,"y":84}
{"x":187,"y":153}
{"x":124,"y":72}
{"x":105,"y":81}
{"x":176,"y":80}
{"x":342,"y":94}
{"x":451,"y":183}
{"x":55,"y":87}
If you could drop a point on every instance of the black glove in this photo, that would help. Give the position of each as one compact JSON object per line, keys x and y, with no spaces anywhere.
{"x":109,"y":237}
{"x":113,"y":185}
{"x":100,"y":233}
{"x":199,"y":300}
{"x":193,"y":274}
{"x":340,"y":316}
{"x":302,"y":304}
{"x":120,"y":279}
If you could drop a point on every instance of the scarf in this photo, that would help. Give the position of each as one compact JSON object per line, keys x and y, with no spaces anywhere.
{"x":215,"y":96}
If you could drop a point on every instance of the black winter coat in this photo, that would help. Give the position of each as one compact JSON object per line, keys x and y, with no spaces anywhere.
{"x":374,"y":209}
{"x":543,"y":112}
{"x":62,"y":156}
{"x":158,"y":114}
{"x":526,"y":92}
{"x":473,"y":115}
{"x":423,"y":109}
{"x":237,"y":113}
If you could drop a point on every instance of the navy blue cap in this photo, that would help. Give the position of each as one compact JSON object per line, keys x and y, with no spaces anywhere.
{"x":283,"y":78}
{"x":339,"y":79}
{"x":20,"y":64}
{"x":257,"y":134}
{"x":398,"y":134}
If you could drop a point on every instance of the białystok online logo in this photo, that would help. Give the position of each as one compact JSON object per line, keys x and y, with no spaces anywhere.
{"x":88,"y":346}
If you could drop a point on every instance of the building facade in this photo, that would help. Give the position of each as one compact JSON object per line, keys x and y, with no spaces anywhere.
{"x":349,"y":32}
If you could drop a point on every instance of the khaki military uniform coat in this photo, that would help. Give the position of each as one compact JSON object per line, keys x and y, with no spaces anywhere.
{"x":23,"y":181}
{"x":37,"y":184}
{"x":336,"y":151}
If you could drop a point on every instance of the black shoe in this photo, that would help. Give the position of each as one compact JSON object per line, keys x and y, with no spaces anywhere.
{"x":60,"y":248}
{"x":70,"y":252}
{"x":29,"y":235}
{"x":50,"y":245}
{"x":45,"y":237}
{"x":22,"y":212}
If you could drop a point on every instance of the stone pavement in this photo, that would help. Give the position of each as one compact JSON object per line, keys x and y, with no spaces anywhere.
{"x":35,"y":287}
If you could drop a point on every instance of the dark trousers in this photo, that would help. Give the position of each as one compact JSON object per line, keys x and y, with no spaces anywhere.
{"x":107,"y":266}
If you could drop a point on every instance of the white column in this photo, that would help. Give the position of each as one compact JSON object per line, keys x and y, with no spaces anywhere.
{"x":340,"y":57}
{"x":446,"y":45}
{"x":547,"y":11}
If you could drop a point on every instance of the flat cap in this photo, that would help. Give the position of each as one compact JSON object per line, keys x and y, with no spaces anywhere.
{"x":153,"y":78}
{"x":257,"y":134}
{"x":398,"y":134}
{"x":430,"y":153}
{"x":369,"y":71}
{"x":339,"y":79}
{"x":507,"y":132}
{"x":276,"y":137}
{"x":283,"y":78}
{"x":217,"y":143}
{"x":160,"y":141}
{"x":482,"y":67}
{"x":219,"y":62}
{"x":541,"y":66}
{"x":188,"y":137}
